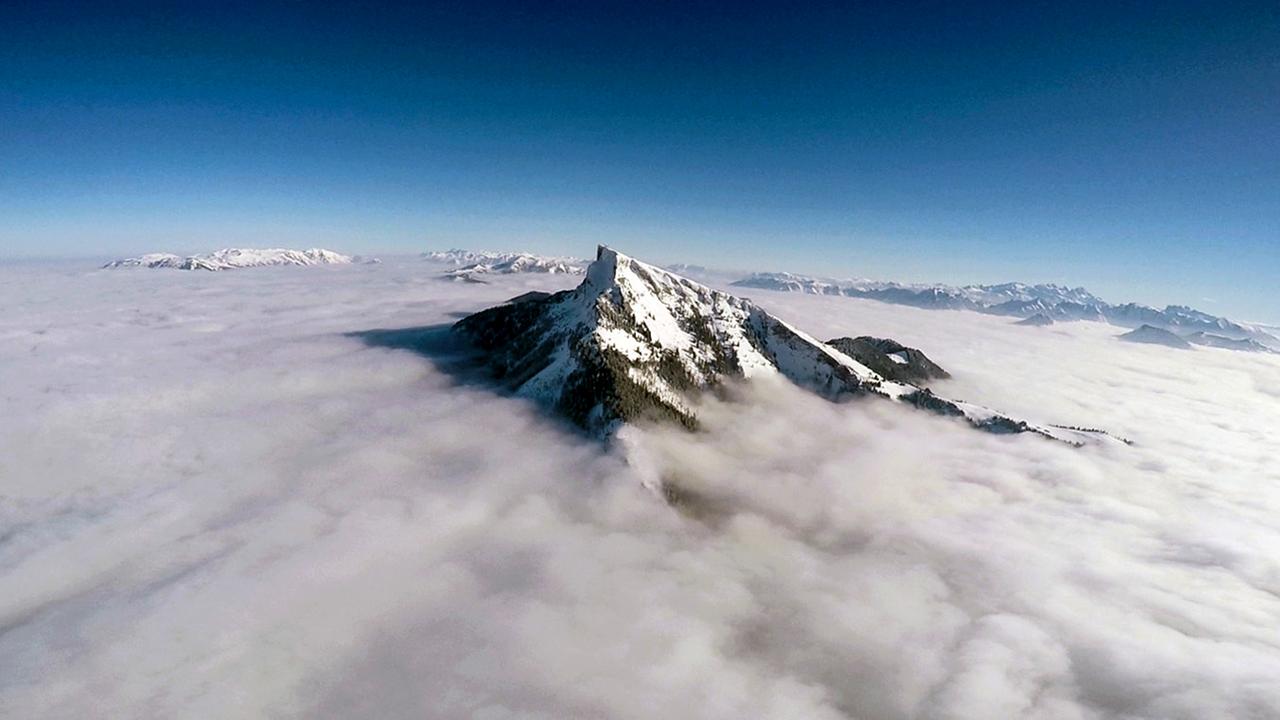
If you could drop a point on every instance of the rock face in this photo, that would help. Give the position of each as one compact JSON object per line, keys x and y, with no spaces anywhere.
{"x":890,"y":359}
{"x":237,"y":258}
{"x":634,"y":342}
{"x":1037,"y":320}
{"x":1156,"y":336}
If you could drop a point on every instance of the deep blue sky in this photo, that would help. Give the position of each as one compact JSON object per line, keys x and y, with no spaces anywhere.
{"x":1132,"y":148}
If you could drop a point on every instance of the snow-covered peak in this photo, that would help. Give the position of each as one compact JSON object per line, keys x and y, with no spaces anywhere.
{"x":149,"y":260}
{"x":649,"y":315}
{"x":236,"y":258}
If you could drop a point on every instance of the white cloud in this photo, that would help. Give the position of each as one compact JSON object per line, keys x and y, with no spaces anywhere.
{"x":218,"y":504}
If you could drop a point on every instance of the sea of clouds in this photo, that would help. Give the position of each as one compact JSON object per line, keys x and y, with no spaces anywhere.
{"x":217,"y":500}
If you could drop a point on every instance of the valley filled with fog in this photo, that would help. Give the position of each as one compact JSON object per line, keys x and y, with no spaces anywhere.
{"x":219,"y":499}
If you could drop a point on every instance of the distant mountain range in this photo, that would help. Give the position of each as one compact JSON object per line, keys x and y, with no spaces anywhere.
{"x":238,"y":258}
{"x":635,"y":342}
{"x":1046,"y":302}
{"x":472,"y":266}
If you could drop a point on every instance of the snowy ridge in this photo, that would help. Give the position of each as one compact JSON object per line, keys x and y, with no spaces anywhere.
{"x":1054,"y":302}
{"x":237,"y":258}
{"x":635,"y":342}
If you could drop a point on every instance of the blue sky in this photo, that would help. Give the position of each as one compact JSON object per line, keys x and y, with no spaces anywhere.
{"x":1128,"y":148}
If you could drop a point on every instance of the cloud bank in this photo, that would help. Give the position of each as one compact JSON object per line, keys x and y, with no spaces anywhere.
{"x":218,"y":503}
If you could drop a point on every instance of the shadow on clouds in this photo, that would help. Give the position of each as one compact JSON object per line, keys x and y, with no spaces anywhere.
{"x":447,"y":352}
{"x":457,"y":359}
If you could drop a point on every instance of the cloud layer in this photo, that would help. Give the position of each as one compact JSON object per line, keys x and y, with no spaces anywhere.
{"x":217,"y":503}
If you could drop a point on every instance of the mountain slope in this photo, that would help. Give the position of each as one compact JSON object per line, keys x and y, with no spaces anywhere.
{"x":634,"y":342}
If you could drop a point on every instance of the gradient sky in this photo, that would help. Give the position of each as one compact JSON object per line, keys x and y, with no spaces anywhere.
{"x":1133,"y":148}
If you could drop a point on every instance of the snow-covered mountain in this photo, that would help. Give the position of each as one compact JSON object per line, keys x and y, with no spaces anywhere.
{"x":236,"y":258}
{"x":473,"y":265}
{"x":635,"y":342}
{"x":1020,"y":300}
